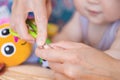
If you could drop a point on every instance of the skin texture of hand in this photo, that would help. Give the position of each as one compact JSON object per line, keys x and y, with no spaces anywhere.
{"x":77,"y":61}
{"x":41,"y":9}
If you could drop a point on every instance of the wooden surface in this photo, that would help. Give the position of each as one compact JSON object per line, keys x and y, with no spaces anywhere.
{"x":27,"y":72}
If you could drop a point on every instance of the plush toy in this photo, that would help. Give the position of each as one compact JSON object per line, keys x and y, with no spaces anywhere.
{"x":13,"y":50}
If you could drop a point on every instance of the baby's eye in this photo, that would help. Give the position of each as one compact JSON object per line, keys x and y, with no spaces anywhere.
{"x":4,"y":32}
{"x":8,"y":49}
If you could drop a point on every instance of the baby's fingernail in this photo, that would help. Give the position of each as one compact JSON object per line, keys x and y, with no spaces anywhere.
{"x":40,"y":42}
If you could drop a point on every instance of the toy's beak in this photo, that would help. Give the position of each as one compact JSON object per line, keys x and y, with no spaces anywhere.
{"x":2,"y":68}
{"x":16,"y":38}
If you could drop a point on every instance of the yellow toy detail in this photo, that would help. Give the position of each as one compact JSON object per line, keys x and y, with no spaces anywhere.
{"x":52,"y":30}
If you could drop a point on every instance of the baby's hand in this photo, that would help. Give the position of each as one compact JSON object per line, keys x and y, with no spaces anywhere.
{"x":77,"y":61}
{"x":41,"y":10}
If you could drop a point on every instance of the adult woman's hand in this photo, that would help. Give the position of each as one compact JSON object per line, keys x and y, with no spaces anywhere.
{"x":41,"y":10}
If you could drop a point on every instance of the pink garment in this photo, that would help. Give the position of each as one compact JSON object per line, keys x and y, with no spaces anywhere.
{"x":108,"y":37}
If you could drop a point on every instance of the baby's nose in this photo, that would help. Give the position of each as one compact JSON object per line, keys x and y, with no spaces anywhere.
{"x":16,"y":38}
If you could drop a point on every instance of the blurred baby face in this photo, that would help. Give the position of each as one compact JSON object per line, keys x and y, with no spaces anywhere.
{"x":99,"y":11}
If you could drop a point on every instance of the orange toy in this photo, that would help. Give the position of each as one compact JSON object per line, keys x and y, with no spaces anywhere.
{"x":13,"y":50}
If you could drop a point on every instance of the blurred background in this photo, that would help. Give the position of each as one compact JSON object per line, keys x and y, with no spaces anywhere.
{"x":61,"y":13}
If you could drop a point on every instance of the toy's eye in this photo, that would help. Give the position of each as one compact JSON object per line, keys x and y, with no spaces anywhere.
{"x":8,"y":49}
{"x":4,"y":32}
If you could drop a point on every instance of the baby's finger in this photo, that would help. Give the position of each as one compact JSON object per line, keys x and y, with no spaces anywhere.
{"x":67,"y":45}
{"x":20,"y":27}
{"x":12,"y":22}
{"x":55,"y":55}
{"x":41,"y":21}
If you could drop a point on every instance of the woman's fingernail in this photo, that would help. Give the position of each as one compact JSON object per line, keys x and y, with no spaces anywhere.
{"x":41,"y":47}
{"x":46,"y":46}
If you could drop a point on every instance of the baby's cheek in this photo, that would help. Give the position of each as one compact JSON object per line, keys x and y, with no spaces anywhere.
{"x":77,"y":4}
{"x":111,"y":12}
{"x":112,"y":16}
